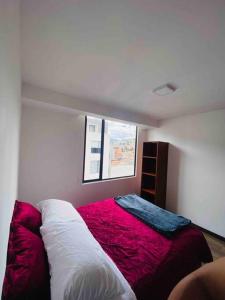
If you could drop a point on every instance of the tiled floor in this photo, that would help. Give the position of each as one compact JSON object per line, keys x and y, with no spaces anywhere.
{"x":217,"y":246}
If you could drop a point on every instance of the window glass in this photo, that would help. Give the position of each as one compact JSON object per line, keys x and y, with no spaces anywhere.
{"x":94,"y":167}
{"x":92,"y":148}
{"x":91,"y":127}
{"x":119,"y":149}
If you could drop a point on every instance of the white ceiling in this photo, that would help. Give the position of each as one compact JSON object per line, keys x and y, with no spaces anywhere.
{"x":114,"y":52}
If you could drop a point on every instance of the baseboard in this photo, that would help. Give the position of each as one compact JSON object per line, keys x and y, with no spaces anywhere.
{"x":219,"y":237}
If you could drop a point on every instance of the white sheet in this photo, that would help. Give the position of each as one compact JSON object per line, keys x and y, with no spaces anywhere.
{"x":80,"y":269}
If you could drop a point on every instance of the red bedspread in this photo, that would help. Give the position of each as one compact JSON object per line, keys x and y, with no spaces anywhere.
{"x":150,"y":262}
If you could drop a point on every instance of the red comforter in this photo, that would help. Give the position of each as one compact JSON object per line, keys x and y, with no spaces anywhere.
{"x":150,"y":262}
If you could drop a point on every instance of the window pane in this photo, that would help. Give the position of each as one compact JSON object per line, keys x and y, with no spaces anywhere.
{"x":93,"y":148}
{"x":119,"y":150}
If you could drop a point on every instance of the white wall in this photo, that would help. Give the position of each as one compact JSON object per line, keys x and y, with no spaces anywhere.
{"x":51,"y":159}
{"x":9,"y":117}
{"x":196,"y":168}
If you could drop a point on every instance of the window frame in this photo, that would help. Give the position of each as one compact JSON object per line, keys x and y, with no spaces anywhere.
{"x":102,"y":155}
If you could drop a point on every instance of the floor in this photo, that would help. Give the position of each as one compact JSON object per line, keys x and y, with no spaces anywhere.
{"x":217,"y":246}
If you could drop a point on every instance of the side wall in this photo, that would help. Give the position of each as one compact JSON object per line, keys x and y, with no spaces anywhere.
{"x":51,"y":159}
{"x":9,"y":117}
{"x":196,"y":168}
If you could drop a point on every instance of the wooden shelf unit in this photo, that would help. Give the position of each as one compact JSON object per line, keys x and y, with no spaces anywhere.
{"x":154,"y":172}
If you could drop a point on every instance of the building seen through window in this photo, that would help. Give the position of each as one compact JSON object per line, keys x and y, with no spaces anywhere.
{"x":95,"y":146}
{"x":91,"y":127}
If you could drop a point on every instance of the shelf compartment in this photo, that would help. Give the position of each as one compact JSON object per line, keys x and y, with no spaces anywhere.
{"x":148,"y":197}
{"x":150,"y":149}
{"x":148,"y":182}
{"x":148,"y":165}
{"x":148,"y":191}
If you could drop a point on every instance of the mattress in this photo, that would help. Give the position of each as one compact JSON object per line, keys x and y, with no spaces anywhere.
{"x":151,"y":263}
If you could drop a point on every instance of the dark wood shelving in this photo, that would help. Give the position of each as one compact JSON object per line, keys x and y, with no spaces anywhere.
{"x":154,"y":172}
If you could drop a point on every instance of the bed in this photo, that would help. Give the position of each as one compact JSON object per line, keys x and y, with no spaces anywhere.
{"x":150,"y":262}
{"x":139,"y":260}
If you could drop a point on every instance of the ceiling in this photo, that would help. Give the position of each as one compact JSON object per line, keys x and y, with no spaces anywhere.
{"x":115,"y":52}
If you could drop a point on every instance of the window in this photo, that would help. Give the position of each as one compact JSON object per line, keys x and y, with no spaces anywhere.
{"x":110,"y":149}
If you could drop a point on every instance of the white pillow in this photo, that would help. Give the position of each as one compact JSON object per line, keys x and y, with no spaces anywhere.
{"x":80,"y":269}
{"x":54,"y":210}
